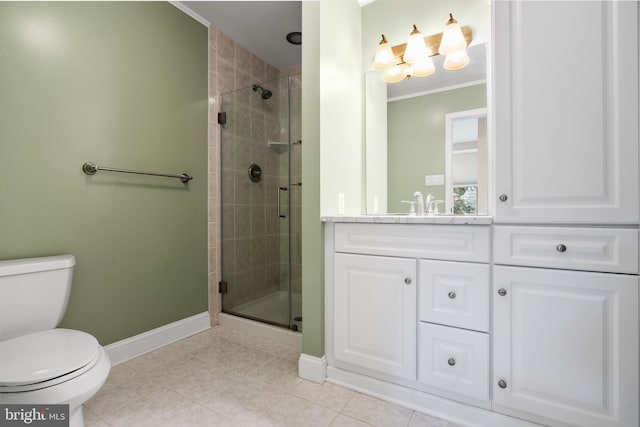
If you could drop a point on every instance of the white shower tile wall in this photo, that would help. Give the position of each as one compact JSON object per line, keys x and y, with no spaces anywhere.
{"x":251,"y":235}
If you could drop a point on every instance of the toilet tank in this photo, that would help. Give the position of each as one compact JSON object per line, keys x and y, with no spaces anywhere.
{"x":33,"y":294}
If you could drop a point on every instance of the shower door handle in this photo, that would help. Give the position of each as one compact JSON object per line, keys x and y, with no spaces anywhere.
{"x":280,"y":214}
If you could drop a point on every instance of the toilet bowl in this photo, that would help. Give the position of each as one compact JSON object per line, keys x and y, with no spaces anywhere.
{"x":40,"y":365}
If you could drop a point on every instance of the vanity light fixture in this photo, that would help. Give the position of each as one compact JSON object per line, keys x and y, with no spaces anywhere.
{"x":413,"y":59}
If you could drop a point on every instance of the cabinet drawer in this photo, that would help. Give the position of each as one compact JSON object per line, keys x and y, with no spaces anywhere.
{"x":594,"y":249}
{"x":448,"y":242}
{"x":454,"y":360}
{"x":455,"y":294}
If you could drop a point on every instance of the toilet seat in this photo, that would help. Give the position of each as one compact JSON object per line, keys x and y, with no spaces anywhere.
{"x":44,"y":359}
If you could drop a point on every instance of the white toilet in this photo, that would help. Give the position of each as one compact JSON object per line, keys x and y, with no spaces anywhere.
{"x":40,"y":364}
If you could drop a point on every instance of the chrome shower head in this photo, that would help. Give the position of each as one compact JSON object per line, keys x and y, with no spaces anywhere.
{"x":265,"y":93}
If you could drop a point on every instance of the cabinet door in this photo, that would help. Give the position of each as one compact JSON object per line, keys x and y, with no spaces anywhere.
{"x":566,"y":111}
{"x":375,"y":313}
{"x":565,"y":346}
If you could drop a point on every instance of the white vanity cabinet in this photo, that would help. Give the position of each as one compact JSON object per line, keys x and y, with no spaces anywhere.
{"x":565,"y":298}
{"x":409,"y":304}
{"x":565,"y":118}
{"x":565,"y":342}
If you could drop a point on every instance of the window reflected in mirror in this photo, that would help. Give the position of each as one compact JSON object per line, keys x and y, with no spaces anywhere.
{"x":466,"y":160}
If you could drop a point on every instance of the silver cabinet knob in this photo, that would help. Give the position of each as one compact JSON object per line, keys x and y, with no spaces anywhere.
{"x":503,"y":197}
{"x":502,"y":292}
{"x":502,"y":384}
{"x":561,"y":248}
{"x":452,"y":295}
{"x":451,"y":361}
{"x":407,"y":280}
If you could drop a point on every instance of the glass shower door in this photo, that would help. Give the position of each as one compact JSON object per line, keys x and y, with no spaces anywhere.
{"x":257,"y":196}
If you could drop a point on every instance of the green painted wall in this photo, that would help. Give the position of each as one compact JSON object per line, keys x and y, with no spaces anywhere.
{"x":416,"y":140}
{"x":122,"y":84}
{"x":312,"y":231}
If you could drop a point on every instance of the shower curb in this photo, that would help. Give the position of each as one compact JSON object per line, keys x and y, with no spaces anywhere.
{"x":273,"y":333}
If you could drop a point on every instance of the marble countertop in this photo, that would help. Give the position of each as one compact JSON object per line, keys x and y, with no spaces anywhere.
{"x":409,"y":219}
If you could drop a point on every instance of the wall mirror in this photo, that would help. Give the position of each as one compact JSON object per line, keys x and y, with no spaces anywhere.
{"x":419,"y":133}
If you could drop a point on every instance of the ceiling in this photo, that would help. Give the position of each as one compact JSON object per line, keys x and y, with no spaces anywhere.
{"x":259,"y":26}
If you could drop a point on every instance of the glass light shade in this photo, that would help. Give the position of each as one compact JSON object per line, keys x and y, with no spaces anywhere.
{"x":416,"y":49}
{"x":423,"y":68}
{"x":452,"y":38}
{"x":456,"y":60}
{"x":395,"y":74}
{"x":407,"y":69}
{"x":384,"y":58}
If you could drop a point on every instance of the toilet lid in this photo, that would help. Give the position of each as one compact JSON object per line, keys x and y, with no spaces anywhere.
{"x":44,"y":355}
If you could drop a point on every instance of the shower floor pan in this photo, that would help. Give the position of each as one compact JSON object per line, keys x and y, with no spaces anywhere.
{"x":272,"y":308}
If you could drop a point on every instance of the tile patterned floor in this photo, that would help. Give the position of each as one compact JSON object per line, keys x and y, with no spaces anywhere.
{"x":223,"y":377}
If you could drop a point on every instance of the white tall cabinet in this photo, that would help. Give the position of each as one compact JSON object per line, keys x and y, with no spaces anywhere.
{"x":565,"y":82}
{"x":565,"y":328}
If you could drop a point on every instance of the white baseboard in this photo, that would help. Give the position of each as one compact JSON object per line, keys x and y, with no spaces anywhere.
{"x":270,"y":332}
{"x":312,"y":368}
{"x":145,"y":342}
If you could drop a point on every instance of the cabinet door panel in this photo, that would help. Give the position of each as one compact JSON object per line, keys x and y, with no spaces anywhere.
{"x":566,"y":111}
{"x":566,"y":345}
{"x":375,"y":313}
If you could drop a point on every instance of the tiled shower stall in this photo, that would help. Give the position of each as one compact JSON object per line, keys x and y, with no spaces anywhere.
{"x":251,"y":247}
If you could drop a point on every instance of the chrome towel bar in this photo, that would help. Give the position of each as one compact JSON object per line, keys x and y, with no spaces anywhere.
{"x":91,"y":169}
